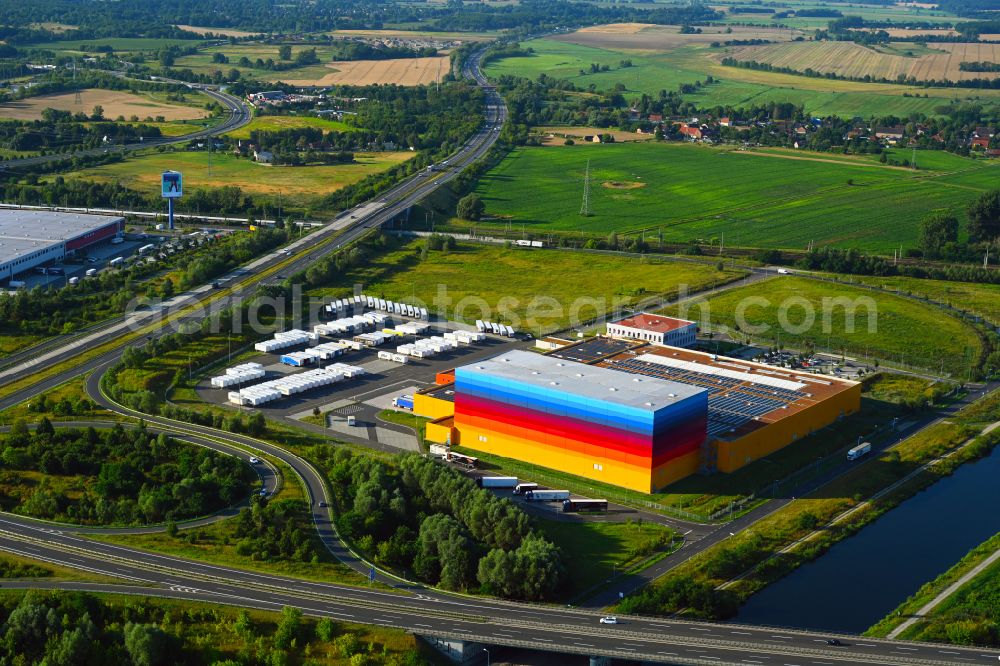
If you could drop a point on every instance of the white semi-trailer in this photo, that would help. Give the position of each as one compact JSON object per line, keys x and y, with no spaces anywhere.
{"x":859,"y":450}
{"x":497,"y":482}
{"x":546,"y":495}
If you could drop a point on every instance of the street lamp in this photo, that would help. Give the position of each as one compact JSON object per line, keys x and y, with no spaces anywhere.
{"x":487,"y":656}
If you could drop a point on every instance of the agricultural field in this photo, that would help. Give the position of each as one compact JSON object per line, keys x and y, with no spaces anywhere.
{"x":668,"y":69}
{"x":681,"y":192}
{"x":228,"y":32}
{"x":118,"y":44}
{"x":400,"y":71}
{"x":302,"y":186}
{"x":534,"y":293}
{"x":885,"y":326}
{"x":114,"y":102}
{"x":650,"y":38}
{"x":201,"y":62}
{"x":278,"y":123}
{"x":937,"y":62}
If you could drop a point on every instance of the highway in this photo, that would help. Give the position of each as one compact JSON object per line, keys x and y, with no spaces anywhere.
{"x":238,"y":115}
{"x":398,"y":603}
{"x":346,"y":228}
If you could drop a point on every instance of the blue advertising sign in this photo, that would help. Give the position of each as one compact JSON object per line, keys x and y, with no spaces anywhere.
{"x":171,"y":185}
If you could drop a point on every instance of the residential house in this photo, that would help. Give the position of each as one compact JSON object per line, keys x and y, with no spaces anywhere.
{"x":889,"y":134}
{"x":263,"y":156}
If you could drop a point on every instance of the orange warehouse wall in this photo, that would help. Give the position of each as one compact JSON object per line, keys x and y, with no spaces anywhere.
{"x":440,"y":432}
{"x":732,"y":455}
{"x":431,"y":407}
{"x":510,"y":446}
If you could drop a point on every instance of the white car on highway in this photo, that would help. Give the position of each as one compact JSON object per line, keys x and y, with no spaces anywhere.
{"x":254,"y":460}
{"x":609,"y":619}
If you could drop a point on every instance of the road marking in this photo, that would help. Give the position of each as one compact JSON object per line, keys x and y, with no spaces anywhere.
{"x":669,"y":654}
{"x":948,"y":652}
{"x":544,"y":640}
{"x":699,"y":629}
{"x":866,"y":644}
{"x":634,"y":644}
{"x":782,"y":637}
{"x":716,"y":658}
{"x":421,"y":625}
{"x":908,"y":649}
{"x":742,"y":633}
{"x":583,"y":644}
{"x":750,"y":661}
{"x":654,"y":624}
{"x":627,"y":649}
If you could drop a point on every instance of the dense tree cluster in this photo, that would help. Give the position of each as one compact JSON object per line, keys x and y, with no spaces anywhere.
{"x":428,"y":519}
{"x":77,"y":629}
{"x":276,"y":530}
{"x":136,"y":477}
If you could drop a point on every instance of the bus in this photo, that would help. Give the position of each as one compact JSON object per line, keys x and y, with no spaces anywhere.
{"x":585,"y":505}
{"x":461,"y":460}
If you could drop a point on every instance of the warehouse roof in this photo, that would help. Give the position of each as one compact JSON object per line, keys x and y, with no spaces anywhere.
{"x":743,"y":395}
{"x":25,"y":231}
{"x":645,"y":321}
{"x":589,"y":381}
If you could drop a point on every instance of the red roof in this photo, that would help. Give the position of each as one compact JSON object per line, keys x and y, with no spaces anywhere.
{"x":655,"y":323}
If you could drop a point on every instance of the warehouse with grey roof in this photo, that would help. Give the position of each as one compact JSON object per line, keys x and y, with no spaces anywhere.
{"x":30,"y":238}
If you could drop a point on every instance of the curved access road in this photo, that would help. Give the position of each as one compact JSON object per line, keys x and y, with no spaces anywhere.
{"x":237,"y":115}
{"x":268,"y":475}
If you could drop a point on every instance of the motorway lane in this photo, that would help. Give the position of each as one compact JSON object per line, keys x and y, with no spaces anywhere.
{"x":494,"y":623}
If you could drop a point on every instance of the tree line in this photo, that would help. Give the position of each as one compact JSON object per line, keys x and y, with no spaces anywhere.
{"x":427,"y":519}
{"x":133,"y":477}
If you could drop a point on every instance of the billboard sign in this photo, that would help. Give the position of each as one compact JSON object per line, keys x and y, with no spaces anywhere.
{"x":171,"y":184}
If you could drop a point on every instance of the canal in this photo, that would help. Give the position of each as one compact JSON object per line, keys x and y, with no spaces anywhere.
{"x":863,"y":578}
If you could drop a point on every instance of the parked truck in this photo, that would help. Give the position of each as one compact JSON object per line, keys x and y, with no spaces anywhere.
{"x":439,"y":450}
{"x":497,"y":482}
{"x":546,"y":495}
{"x":116,"y":262}
{"x":859,"y":450}
{"x":522,"y":488}
{"x":403,"y":402}
{"x":91,"y":272}
{"x":17,"y":284}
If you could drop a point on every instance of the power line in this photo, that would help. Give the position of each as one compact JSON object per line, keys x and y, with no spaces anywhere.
{"x":585,"y":205}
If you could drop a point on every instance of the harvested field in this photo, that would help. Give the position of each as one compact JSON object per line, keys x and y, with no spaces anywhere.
{"x":910,"y":32}
{"x":114,"y":102}
{"x":401,"y":71}
{"x":853,"y":60}
{"x":228,"y":32}
{"x":653,"y":38}
{"x":555,"y":136}
{"x":416,"y":34}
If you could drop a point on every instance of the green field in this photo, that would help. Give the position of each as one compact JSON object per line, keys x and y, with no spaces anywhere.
{"x":535,"y":290}
{"x":302,"y":187}
{"x":278,"y":123}
{"x":119,"y":44}
{"x":982,"y":300}
{"x":201,"y":62}
{"x":691,"y":192}
{"x":737,"y":87}
{"x":594,"y":551}
{"x":893,"y":329}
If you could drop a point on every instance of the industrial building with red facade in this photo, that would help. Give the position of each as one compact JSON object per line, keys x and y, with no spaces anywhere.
{"x":628,"y":412}
{"x":30,"y":238}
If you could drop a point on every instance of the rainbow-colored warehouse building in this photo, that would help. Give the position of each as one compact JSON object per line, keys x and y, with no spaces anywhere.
{"x":637,"y":432}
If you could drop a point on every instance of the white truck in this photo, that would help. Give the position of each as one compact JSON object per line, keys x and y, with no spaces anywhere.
{"x":439,"y":450}
{"x":497,"y":482}
{"x":546,"y":495}
{"x":859,"y":450}
{"x":522,"y":488}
